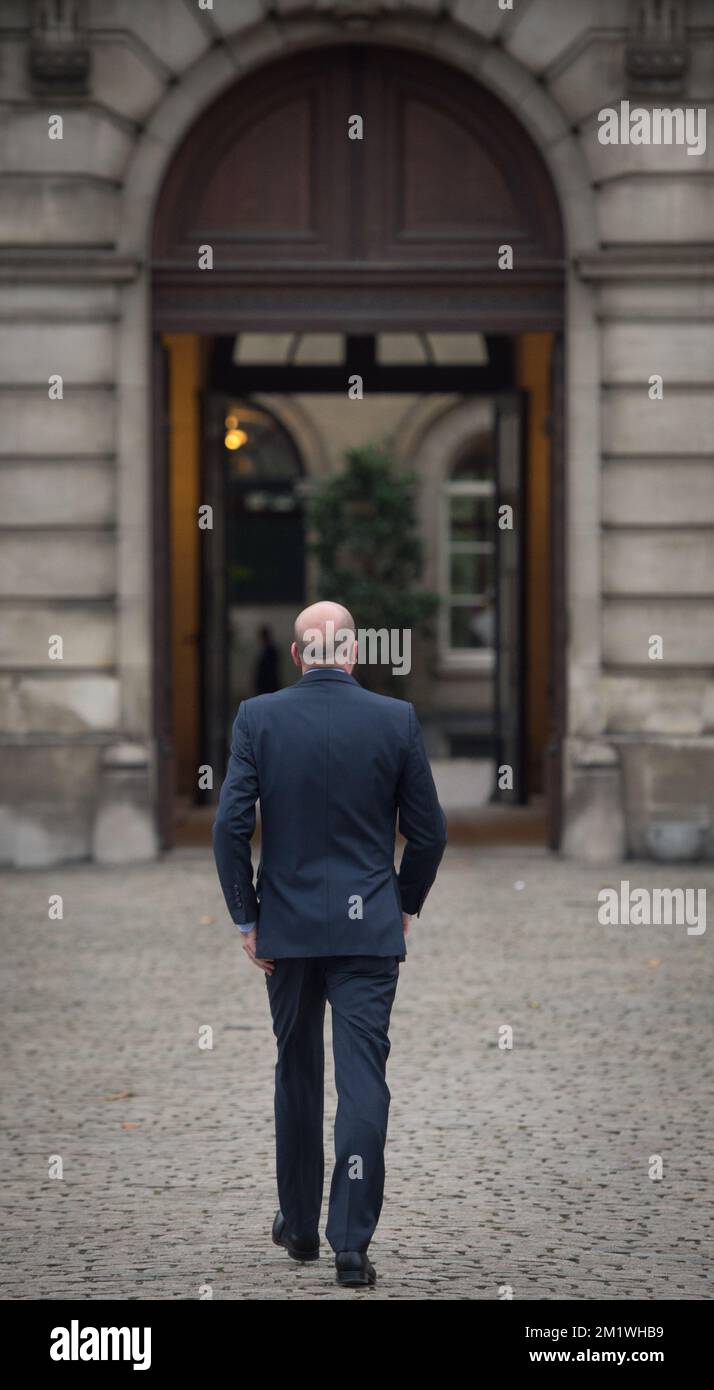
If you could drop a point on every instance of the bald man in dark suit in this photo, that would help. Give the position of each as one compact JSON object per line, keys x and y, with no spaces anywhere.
{"x":335,"y":767}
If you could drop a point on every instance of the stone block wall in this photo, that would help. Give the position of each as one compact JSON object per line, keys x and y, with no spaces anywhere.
{"x":75,"y":473}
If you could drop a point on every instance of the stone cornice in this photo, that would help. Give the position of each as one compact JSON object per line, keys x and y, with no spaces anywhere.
{"x":648,"y":263}
{"x":67,"y":267}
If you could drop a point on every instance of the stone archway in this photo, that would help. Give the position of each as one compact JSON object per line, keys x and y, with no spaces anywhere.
{"x":183,"y":106}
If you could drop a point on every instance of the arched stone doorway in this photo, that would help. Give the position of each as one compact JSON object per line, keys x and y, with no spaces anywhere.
{"x":272,"y":219}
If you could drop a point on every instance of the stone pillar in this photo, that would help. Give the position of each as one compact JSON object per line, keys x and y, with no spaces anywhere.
{"x":124,"y":830}
{"x":594,"y":815}
{"x":62,"y":639}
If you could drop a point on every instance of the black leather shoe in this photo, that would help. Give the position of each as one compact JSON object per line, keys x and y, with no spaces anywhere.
{"x":354,"y":1270}
{"x":298,"y":1247}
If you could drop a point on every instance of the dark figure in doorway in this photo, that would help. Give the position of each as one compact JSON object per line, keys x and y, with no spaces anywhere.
{"x":267,"y":667}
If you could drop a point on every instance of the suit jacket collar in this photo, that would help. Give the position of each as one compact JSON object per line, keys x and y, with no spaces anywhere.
{"x":330,"y":673}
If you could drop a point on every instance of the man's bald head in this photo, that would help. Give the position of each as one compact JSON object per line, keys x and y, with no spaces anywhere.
{"x":324,"y":636}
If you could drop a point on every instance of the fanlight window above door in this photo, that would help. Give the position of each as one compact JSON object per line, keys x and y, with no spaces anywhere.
{"x":330,"y":349}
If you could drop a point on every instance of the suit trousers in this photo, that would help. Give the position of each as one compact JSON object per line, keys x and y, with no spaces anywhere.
{"x":361,"y":991}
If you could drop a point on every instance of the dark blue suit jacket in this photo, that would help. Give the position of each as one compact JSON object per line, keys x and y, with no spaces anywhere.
{"x":333,"y":766}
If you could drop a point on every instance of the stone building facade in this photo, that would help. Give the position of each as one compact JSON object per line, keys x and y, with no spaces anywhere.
{"x":130,"y":79}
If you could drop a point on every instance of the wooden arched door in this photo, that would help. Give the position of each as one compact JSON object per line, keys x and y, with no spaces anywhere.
{"x":311,"y":228}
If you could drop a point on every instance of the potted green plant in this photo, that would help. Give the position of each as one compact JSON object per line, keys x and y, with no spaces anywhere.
{"x":362,"y":528}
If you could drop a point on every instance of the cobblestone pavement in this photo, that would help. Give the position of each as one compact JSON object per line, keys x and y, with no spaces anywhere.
{"x":526,"y":1168}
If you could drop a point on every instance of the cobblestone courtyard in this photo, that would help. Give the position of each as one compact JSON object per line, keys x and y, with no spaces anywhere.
{"x":526,"y":1168}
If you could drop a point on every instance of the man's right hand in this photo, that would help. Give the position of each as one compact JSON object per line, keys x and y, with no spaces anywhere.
{"x":406,"y":919}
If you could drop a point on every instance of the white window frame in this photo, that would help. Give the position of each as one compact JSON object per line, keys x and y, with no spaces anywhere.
{"x":480,"y":659}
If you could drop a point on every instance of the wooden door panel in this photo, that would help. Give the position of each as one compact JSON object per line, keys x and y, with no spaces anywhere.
{"x":164,"y":771}
{"x":449,"y":174}
{"x":268,"y":174}
{"x":263,"y":175}
{"x":214,"y":608}
{"x":557,"y":672}
{"x":511,"y":632}
{"x":449,"y":186}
